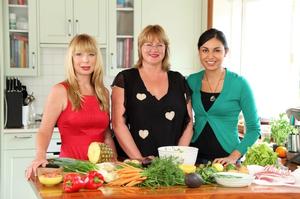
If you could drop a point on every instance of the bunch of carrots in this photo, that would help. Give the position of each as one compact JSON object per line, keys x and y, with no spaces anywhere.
{"x":128,"y":176}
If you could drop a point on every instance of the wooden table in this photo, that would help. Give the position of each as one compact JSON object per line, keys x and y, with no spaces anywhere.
{"x":178,"y":192}
{"x":203,"y":192}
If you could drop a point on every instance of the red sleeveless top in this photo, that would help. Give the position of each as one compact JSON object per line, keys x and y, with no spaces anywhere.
{"x":81,"y":127}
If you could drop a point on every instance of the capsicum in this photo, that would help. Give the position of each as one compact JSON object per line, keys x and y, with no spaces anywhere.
{"x":73,"y":182}
{"x":94,"y":180}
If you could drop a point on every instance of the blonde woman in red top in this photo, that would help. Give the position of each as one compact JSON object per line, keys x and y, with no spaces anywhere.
{"x":79,"y":105}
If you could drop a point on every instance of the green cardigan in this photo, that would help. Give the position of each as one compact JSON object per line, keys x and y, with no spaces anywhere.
{"x":236,"y":96}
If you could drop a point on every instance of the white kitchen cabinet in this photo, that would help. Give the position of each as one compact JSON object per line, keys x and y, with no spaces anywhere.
{"x":60,"y":20}
{"x":20,"y":27}
{"x":16,"y":185}
{"x":19,"y":151}
{"x":183,"y":22}
{"x":124,"y":27}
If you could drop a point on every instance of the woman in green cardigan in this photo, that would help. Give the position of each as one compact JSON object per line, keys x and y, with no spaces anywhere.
{"x":218,"y":97}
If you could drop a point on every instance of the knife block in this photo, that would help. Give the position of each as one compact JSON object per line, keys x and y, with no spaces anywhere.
{"x":14,"y":101}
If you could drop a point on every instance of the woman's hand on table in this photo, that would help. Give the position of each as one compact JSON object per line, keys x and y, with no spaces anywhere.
{"x":31,"y":169}
{"x":231,"y":159}
{"x":225,"y":161}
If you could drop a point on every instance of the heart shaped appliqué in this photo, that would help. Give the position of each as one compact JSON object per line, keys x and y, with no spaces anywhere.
{"x":143,"y":133}
{"x":141,"y":96}
{"x":170,"y":115}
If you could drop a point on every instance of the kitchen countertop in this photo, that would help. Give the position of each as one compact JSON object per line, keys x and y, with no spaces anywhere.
{"x":176,"y":192}
{"x":28,"y":129}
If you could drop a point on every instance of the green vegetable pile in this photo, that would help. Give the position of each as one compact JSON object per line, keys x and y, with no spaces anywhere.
{"x":207,"y":171}
{"x":261,"y":154}
{"x":73,"y":165}
{"x":163,"y":172}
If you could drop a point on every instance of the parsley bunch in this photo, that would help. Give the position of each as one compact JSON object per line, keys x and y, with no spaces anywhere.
{"x":163,"y":172}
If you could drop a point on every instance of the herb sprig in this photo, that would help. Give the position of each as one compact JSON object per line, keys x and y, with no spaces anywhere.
{"x":163,"y":172}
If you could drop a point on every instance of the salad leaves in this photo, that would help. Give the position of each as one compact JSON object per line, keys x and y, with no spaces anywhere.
{"x":261,"y":154}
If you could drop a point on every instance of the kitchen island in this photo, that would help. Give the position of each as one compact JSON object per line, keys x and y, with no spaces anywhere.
{"x":176,"y":192}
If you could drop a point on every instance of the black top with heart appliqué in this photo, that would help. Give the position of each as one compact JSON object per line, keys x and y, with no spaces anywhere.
{"x":152,"y":122}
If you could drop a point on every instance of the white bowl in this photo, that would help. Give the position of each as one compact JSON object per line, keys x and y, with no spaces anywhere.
{"x":183,"y":154}
{"x":231,"y":179}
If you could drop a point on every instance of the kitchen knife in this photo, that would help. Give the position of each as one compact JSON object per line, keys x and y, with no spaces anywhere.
{"x":7,"y":84}
{"x":19,"y":85}
{"x":13,"y":87}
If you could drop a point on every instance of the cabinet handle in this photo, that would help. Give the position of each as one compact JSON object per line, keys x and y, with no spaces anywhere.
{"x":111,"y":61}
{"x":70,"y":27}
{"x":33,"y":60}
{"x":77,"y":26}
{"x":23,"y":136}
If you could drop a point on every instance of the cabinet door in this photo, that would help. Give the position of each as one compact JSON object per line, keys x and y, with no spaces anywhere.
{"x":55,"y":21}
{"x":21,"y":54}
{"x":91,"y":18}
{"x":61,"y":20}
{"x":182,"y":23}
{"x":124,"y":26}
{"x":16,"y":186}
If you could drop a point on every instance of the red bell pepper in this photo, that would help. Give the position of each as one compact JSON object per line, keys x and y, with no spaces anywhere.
{"x":73,"y":182}
{"x":94,"y":180}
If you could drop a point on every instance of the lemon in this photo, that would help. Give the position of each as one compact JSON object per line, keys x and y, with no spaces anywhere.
{"x":187,"y":168}
{"x":218,"y":166}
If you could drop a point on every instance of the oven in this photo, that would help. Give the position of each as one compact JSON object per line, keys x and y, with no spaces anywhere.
{"x":54,"y":145}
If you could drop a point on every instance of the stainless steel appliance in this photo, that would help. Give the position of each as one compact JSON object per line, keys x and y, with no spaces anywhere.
{"x":293,"y":144}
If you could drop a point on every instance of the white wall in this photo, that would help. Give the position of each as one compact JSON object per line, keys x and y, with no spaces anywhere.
{"x":264,"y":49}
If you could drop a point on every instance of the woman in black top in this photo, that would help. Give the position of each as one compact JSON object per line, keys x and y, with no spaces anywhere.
{"x":150,"y":104}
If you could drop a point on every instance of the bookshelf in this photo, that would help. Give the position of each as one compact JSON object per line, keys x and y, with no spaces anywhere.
{"x":124,"y":28}
{"x":20,"y":37}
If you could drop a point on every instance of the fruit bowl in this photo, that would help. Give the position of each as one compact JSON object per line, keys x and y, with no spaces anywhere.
{"x":50,"y":176}
{"x":183,"y":154}
{"x":231,"y":179}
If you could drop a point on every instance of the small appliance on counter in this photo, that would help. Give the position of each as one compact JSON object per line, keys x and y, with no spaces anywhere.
{"x":293,"y":144}
{"x":13,"y":102}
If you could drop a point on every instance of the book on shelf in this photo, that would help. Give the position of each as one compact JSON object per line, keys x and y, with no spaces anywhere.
{"x":128,"y":52}
{"x":19,"y":50}
{"x":120,"y":53}
{"x":21,"y":2}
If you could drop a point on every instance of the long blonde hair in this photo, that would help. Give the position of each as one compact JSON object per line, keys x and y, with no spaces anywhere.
{"x":85,"y":43}
{"x":150,"y":33}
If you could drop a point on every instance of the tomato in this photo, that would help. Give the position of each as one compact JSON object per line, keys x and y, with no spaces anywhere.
{"x":281,"y":151}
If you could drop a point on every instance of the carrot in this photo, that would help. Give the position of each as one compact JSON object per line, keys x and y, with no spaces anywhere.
{"x":127,"y":172}
{"x":135,"y":182}
{"x":128,"y":176}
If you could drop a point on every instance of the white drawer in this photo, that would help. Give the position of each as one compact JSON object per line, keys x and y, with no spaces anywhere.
{"x":19,"y":141}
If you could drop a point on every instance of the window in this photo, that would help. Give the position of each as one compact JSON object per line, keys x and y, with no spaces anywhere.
{"x":263,"y":41}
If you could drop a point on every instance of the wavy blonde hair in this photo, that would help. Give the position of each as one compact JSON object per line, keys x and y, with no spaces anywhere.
{"x":85,"y":43}
{"x":149,"y":34}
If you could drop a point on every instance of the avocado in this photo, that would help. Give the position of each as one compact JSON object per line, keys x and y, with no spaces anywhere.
{"x":193,"y":180}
